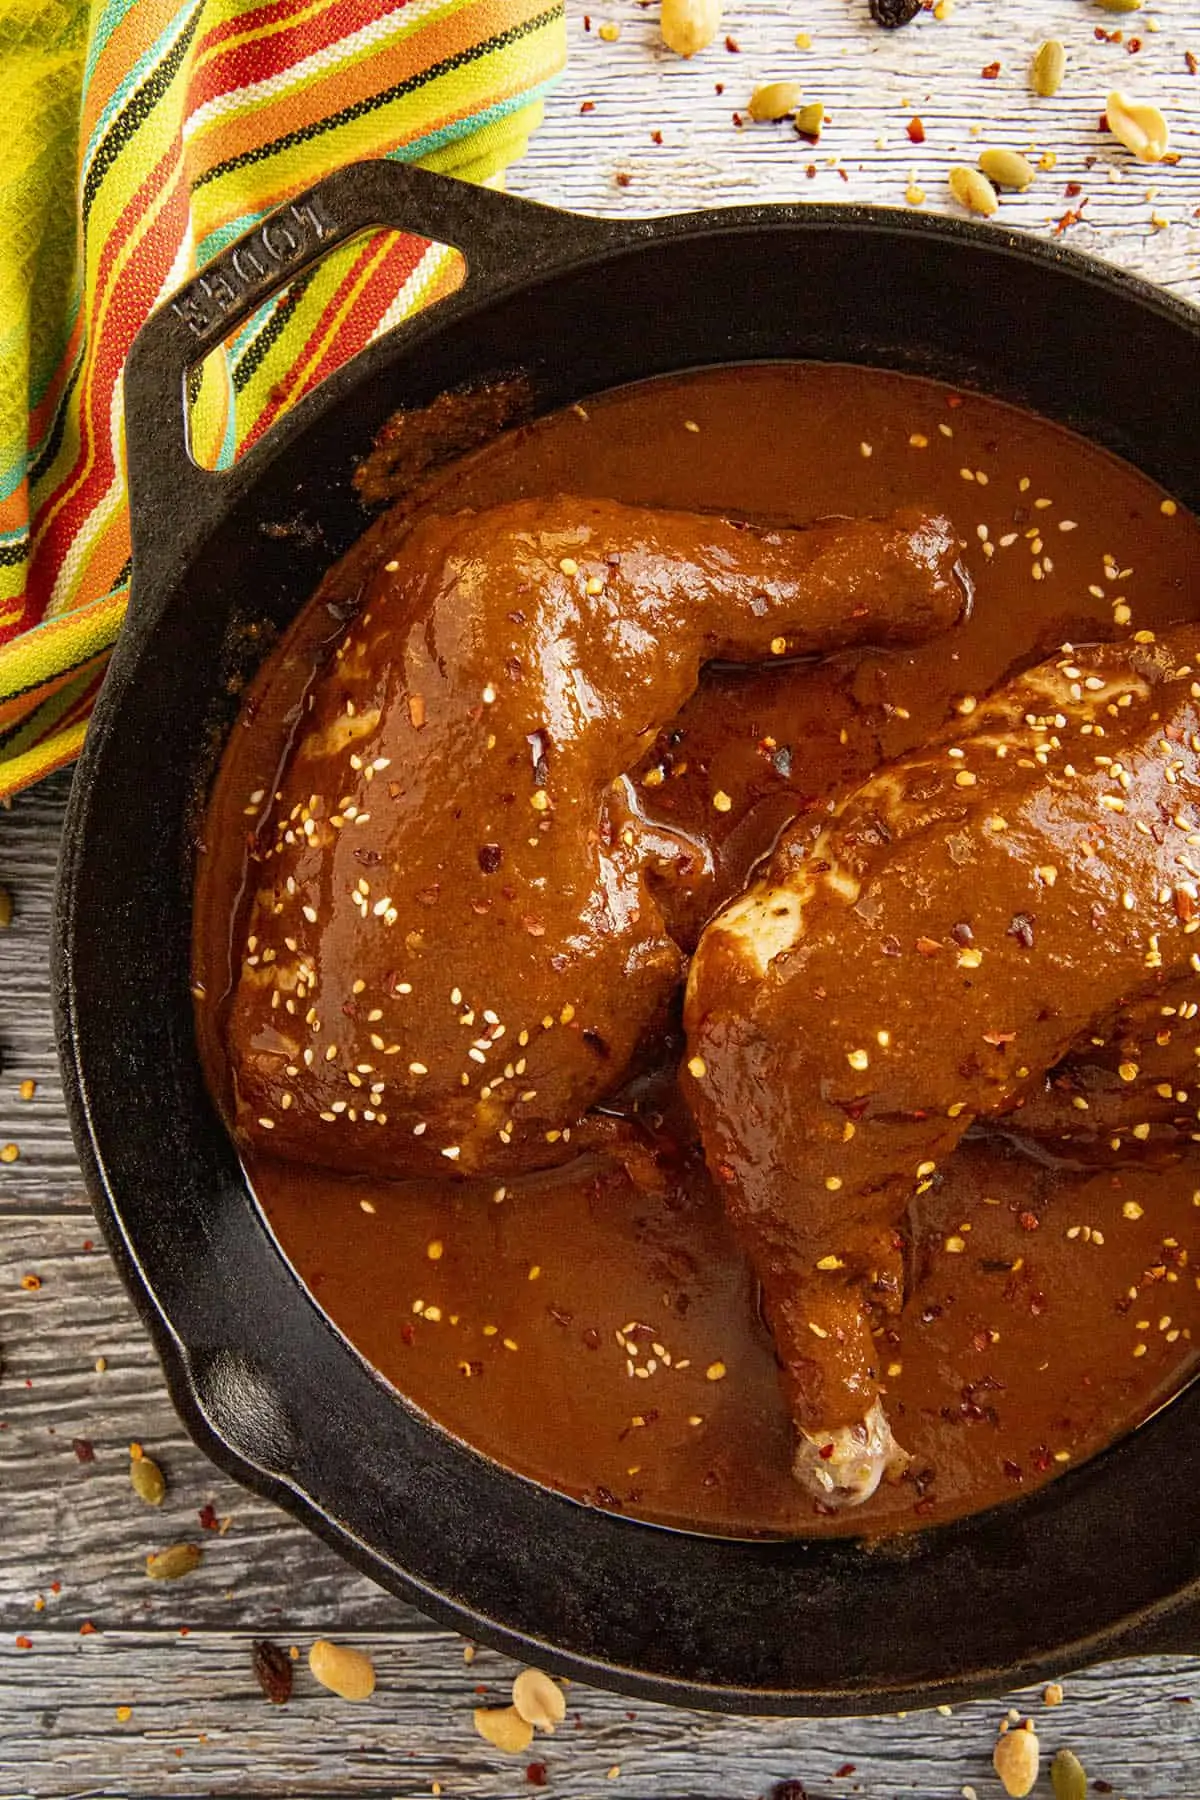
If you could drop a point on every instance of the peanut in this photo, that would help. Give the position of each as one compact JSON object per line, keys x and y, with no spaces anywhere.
{"x":539,"y":1700}
{"x":1139,"y":126}
{"x":1015,"y":1760}
{"x":689,"y":26}
{"x":345,"y":1672}
{"x":504,"y":1727}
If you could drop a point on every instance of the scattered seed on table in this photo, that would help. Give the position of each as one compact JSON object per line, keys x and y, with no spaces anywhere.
{"x":348,"y":1673}
{"x":177,"y":1560}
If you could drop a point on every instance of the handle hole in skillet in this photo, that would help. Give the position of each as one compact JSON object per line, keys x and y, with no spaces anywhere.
{"x":305,"y":331}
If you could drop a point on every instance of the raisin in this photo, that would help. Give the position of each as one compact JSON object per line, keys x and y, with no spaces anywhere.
{"x":891,"y":13}
{"x":273,"y":1671}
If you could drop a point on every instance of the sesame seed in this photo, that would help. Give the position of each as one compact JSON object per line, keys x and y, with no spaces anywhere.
{"x":964,"y":778}
{"x":452,"y":1152}
{"x":1168,"y":509}
{"x":569,"y":566}
{"x":778,"y":646}
{"x":721,"y":801}
{"x":715,"y":1372}
{"x":697,"y":1067}
{"x":833,"y":1183}
{"x":858,"y":1059}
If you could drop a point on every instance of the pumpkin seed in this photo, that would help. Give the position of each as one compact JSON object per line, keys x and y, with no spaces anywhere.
{"x":1006,"y":168}
{"x":539,"y":1700}
{"x":775,"y":100}
{"x":170,"y":1564}
{"x":345,"y":1672}
{"x":810,"y":119}
{"x":1138,"y":125}
{"x":973,"y":190}
{"x":1048,"y":68}
{"x":1015,"y":1760}
{"x":689,"y":26}
{"x":1068,"y":1777}
{"x":504,"y":1727}
{"x":147,"y":1480}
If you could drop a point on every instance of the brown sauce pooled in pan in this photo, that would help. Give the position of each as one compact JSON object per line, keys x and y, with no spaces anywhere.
{"x":603,"y":1336}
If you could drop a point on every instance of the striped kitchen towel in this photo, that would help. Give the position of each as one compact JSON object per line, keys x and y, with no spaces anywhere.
{"x":142,"y":136}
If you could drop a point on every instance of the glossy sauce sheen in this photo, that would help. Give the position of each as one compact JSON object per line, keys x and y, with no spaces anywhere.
{"x":604,"y":1337}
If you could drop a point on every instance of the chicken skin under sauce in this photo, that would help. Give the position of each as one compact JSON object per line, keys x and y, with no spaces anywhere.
{"x":452,"y":950}
{"x":955,"y":931}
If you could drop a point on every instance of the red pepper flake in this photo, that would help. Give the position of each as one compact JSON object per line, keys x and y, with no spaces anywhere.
{"x":1072,"y":190}
{"x":1028,"y":1221}
{"x":846,"y":1769}
{"x":31,"y":1283}
{"x":916,"y":131}
{"x":928,"y":946}
{"x":788,"y":1790}
{"x":87,"y":1629}
{"x":1133,"y":46}
{"x":24,"y":1643}
{"x":588,"y":106}
{"x":991,"y":72}
{"x":535,"y":1774}
{"x":811,"y":170}
{"x":656,"y":137}
{"x":1069,"y":218}
{"x":1013,"y":1470}
{"x":587,"y":21}
{"x":88,"y":1244}
{"x":1192,"y":61}
{"x":738,"y":121}
{"x":56,"y":1587}
{"x":733,"y":47}
{"x":622,"y":179}
{"x":407,"y":1333}
{"x":84,"y":1449}
{"x":1104,"y":124}
{"x":825,"y":1452}
{"x":208,"y":1517}
{"x":719,"y":87}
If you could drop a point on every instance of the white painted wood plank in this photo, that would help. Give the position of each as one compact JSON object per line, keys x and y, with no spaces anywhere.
{"x":865,"y":77}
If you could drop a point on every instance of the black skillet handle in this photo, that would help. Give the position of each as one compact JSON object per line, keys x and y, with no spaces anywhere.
{"x":172,"y":499}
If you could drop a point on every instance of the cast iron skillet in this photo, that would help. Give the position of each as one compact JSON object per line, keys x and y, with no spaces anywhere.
{"x":1105,"y":1561}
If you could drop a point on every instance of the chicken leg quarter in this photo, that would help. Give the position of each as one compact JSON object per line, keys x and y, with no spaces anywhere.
{"x":957,"y":927}
{"x":451,"y":950}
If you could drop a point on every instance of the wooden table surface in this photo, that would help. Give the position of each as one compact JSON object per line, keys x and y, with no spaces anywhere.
{"x":160,"y":1699}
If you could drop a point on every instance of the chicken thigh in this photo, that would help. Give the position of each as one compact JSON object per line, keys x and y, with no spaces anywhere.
{"x":956,"y":929}
{"x":452,"y":951}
